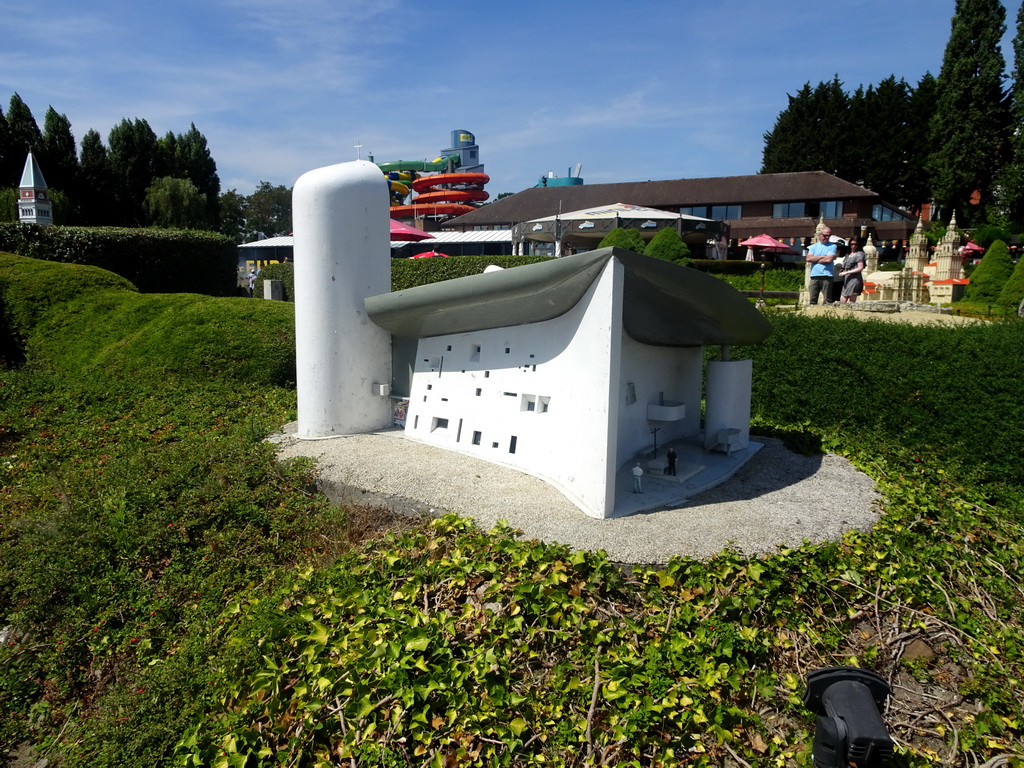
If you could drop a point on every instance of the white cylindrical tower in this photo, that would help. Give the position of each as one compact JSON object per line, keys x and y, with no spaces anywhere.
{"x":342,"y":256}
{"x":727,"y":403}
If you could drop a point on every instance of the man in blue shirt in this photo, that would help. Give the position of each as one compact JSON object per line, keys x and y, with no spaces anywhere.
{"x":820,"y":256}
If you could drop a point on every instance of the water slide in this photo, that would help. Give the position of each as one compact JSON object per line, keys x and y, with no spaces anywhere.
{"x":444,"y":193}
{"x":451,"y":188}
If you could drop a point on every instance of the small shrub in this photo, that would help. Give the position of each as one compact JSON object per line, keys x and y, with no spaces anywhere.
{"x":629,"y":239}
{"x":668,"y":246}
{"x":988,"y":279}
{"x":1013,"y":291}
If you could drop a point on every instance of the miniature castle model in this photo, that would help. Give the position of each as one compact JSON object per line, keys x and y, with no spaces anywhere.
{"x":559,"y":369}
{"x":33,"y":195}
{"x":921,"y":281}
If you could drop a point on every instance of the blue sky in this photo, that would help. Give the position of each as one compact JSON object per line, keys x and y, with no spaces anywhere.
{"x":648,"y":89}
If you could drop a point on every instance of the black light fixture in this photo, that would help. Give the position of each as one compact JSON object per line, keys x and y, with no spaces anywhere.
{"x":849,"y":702}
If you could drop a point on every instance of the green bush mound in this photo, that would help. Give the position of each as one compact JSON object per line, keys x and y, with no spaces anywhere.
{"x":30,"y":288}
{"x":154,"y":260}
{"x":989,"y":277}
{"x":104,"y":324}
{"x":668,"y":246}
{"x":620,"y":237}
{"x":170,"y":595}
{"x":1013,"y":290}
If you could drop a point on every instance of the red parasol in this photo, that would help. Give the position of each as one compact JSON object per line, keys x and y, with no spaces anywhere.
{"x":767,"y":243}
{"x":428,"y":254}
{"x":401,"y":231}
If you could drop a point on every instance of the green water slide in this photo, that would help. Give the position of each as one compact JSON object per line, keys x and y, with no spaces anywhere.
{"x":440,"y":164}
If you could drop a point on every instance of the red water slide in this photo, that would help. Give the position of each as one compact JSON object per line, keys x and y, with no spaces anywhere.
{"x":444,"y":194}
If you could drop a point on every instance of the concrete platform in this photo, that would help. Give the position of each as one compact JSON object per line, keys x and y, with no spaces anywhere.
{"x":697,"y":470}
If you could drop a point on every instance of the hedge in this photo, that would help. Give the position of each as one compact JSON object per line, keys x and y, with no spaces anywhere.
{"x":407,"y":273}
{"x":155,"y":260}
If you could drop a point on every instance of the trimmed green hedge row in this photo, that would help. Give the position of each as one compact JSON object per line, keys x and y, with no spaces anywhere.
{"x":409,"y":273}
{"x":948,"y":394}
{"x":155,"y":260}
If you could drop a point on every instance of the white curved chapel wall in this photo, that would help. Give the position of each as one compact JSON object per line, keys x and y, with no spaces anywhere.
{"x":541,"y":397}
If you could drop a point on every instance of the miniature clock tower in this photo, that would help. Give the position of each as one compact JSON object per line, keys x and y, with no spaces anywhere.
{"x":34,"y":196}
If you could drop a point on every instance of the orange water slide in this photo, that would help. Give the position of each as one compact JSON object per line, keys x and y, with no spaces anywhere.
{"x":444,"y":194}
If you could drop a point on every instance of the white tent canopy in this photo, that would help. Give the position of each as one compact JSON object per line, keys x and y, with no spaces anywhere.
{"x":579,"y":229}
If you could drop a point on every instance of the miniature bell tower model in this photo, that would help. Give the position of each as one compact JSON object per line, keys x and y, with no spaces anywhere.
{"x":34,"y":196}
{"x":917,"y":257}
{"x":948,"y":260}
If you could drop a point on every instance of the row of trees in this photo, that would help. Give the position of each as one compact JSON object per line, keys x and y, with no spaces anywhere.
{"x":955,"y":140}
{"x":135,"y":179}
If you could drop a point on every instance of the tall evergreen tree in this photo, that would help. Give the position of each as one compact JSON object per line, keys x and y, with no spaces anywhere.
{"x":58,"y":154}
{"x":199,"y":167}
{"x":232,"y":215}
{"x":784,"y":144}
{"x":886,"y":168}
{"x":186,"y":156}
{"x":920,"y":109}
{"x":7,"y":160}
{"x":811,"y":133}
{"x":24,"y":132}
{"x":969,"y":127}
{"x":132,"y":150}
{"x":860,"y":143}
{"x":1011,"y":181}
{"x":96,"y":201}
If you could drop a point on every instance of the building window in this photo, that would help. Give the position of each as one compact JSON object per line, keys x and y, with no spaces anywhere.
{"x":512,"y":444}
{"x":476,"y":438}
{"x":881,"y":212}
{"x":474,"y":352}
{"x":695,"y":210}
{"x":438,"y":424}
{"x":831,"y":209}
{"x":723,"y":212}
{"x":789,"y":210}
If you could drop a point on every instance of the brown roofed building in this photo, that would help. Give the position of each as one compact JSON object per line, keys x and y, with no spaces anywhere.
{"x":783,"y":205}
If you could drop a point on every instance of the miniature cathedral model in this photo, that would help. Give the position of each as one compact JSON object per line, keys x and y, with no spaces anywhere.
{"x":558,"y":369}
{"x":34,"y":196}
